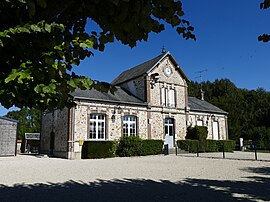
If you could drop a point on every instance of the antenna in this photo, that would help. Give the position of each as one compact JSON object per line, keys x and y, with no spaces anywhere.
{"x":200,"y":76}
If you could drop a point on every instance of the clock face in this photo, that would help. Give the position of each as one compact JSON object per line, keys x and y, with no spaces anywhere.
{"x":167,"y":71}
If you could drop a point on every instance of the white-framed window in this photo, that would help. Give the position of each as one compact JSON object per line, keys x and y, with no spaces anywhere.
{"x":199,"y":123}
{"x":215,"y":130}
{"x":167,"y":97}
{"x":171,"y":98}
{"x":97,"y":127}
{"x":163,"y":97}
{"x":129,"y":126}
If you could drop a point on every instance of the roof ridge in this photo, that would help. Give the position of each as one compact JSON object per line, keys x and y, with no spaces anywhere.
{"x":137,"y":70}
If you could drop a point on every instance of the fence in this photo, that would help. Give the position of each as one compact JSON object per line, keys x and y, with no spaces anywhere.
{"x":249,"y":151}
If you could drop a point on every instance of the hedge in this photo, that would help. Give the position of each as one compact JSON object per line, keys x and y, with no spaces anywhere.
{"x":129,"y":146}
{"x":152,"y":147}
{"x":197,"y":133}
{"x":188,"y":145}
{"x":99,"y":149}
{"x":135,"y":146}
{"x":210,"y":145}
{"x":229,"y":145}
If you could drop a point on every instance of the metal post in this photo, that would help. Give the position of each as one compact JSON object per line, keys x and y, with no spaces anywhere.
{"x":223,"y":150}
{"x":255,"y":149}
{"x":198,"y":149}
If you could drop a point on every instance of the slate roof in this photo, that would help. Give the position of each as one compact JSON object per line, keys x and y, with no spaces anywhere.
{"x":196,"y":104}
{"x":137,"y":70}
{"x":144,"y":68}
{"x":8,"y":119}
{"x":119,"y":96}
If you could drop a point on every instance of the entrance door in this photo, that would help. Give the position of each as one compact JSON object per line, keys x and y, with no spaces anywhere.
{"x":215,"y":130}
{"x":169,"y":132}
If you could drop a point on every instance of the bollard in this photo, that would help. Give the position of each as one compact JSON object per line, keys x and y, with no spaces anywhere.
{"x":166,"y":149}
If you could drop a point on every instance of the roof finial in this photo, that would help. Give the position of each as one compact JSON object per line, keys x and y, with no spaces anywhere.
{"x":163,"y":49}
{"x":202,"y":94}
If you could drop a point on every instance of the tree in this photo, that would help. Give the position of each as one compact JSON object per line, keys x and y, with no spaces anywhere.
{"x":248,"y":110}
{"x":29,"y":120}
{"x":41,"y":40}
{"x":264,"y":37}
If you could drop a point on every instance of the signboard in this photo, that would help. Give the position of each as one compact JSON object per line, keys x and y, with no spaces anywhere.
{"x":32,"y":136}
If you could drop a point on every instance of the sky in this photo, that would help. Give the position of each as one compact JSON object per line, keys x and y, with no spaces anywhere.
{"x":226,"y":46}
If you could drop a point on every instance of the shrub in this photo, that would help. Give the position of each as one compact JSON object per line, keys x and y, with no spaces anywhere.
{"x":198,"y":133}
{"x":188,"y":145}
{"x":211,"y":146}
{"x":98,"y":149}
{"x":229,"y":145}
{"x":135,"y":146}
{"x":130,"y":146}
{"x":152,"y":147}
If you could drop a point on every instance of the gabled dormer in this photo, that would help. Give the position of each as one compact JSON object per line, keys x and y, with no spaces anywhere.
{"x":160,"y":82}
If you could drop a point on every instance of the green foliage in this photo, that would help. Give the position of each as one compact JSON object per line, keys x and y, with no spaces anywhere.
{"x":229,"y":145}
{"x":98,"y":149}
{"x":29,"y":120}
{"x":211,"y":146}
{"x":248,"y":110}
{"x":42,"y":40}
{"x":152,"y":147}
{"x":130,"y":146}
{"x":135,"y":146}
{"x":188,"y":145}
{"x":264,"y":37}
{"x":197,"y":133}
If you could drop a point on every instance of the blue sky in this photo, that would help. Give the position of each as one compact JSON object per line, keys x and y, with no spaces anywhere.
{"x":226,"y":46}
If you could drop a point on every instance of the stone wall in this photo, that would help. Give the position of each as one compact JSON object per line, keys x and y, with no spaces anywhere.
{"x":113,"y":128}
{"x":136,"y":87}
{"x":8,"y":137}
{"x":158,"y":112}
{"x":207,"y":119}
{"x":56,"y":122}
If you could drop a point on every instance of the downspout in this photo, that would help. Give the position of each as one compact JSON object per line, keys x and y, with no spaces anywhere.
{"x":17,"y":130}
{"x":226,"y":125}
{"x":71,"y":133}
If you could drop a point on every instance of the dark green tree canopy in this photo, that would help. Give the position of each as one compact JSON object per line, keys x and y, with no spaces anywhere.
{"x":248,"y":110}
{"x":41,"y":40}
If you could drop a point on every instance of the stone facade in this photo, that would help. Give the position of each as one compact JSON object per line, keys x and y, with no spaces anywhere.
{"x":8,"y":136}
{"x":157,"y":98}
{"x":207,"y":119}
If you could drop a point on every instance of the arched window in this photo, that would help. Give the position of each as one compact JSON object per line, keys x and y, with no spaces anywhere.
{"x":97,"y":127}
{"x":129,"y":126}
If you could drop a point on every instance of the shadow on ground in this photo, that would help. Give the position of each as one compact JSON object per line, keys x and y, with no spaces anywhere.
{"x":257,"y":188}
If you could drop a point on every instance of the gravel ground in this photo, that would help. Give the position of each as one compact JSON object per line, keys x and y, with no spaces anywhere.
{"x":151,"y":178}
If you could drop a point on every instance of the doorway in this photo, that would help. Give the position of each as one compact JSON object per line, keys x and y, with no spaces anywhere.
{"x":169,"y":132}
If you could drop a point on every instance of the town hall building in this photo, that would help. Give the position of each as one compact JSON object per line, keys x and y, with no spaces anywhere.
{"x":151,"y":101}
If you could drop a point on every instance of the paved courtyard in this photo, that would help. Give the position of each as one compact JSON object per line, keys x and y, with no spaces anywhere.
{"x":151,"y":178}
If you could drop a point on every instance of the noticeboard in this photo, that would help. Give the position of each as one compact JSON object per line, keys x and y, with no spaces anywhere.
{"x":32,"y":136}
